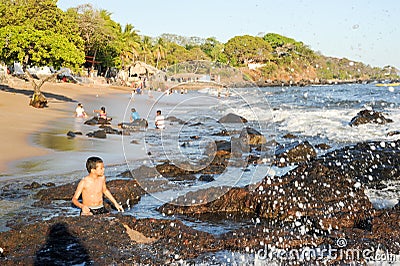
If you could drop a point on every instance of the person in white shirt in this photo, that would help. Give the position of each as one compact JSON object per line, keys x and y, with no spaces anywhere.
{"x":159,"y":121}
{"x":79,"y":111}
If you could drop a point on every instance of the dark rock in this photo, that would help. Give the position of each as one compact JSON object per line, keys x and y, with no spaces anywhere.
{"x":71,"y":134}
{"x":397,"y":206}
{"x":232,"y":118}
{"x":168,"y":169}
{"x":369,"y":116}
{"x":323,"y":146}
{"x":371,"y":163}
{"x":294,"y":152}
{"x":206,"y":178}
{"x":174,"y":119}
{"x":392,"y":133}
{"x":223,"y":145}
{"x":250,"y":136}
{"x":110,"y":130}
{"x":136,"y":125}
{"x":284,"y":199}
{"x":196,"y":124}
{"x":141,"y":172}
{"x":101,"y":134}
{"x":33,"y":185}
{"x":222,"y":133}
{"x":289,"y":136}
{"x":97,"y":121}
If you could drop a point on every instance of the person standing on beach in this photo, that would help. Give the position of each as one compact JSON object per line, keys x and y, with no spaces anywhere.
{"x":79,"y":111}
{"x":159,"y":121}
{"x":92,"y":187}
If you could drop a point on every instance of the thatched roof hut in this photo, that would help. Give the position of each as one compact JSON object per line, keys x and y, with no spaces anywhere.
{"x":142,"y":69}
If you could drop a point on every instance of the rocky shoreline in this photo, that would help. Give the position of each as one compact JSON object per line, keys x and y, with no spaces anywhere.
{"x":317,"y":205}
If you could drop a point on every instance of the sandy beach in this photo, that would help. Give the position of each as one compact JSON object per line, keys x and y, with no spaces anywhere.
{"x":21,"y":120}
{"x":37,"y":141}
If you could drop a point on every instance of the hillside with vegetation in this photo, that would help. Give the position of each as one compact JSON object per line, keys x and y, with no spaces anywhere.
{"x":38,"y":33}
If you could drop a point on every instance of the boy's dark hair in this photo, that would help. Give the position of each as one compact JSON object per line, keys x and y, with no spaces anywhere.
{"x":91,"y":163}
{"x":103,"y":108}
{"x":158,"y":112}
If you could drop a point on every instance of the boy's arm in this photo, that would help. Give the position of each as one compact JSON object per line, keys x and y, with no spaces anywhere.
{"x":108,"y":194}
{"x":75,"y":199}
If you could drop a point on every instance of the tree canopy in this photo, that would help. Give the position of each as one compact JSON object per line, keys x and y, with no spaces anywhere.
{"x":245,"y":49}
{"x":37,"y":32}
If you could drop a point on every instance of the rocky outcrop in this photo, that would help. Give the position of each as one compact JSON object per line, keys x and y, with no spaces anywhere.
{"x":100,"y":134}
{"x":127,"y":192}
{"x":294,"y":152}
{"x":97,"y":121}
{"x":371,"y":163}
{"x":369,"y":116}
{"x":124,"y":240}
{"x":136,"y":125}
{"x":103,"y":240}
{"x":250,"y":136}
{"x":316,"y":192}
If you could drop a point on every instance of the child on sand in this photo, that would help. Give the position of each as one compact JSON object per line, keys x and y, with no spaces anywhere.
{"x":92,"y":187}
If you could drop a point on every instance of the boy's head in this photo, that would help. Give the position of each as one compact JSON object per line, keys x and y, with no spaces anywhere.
{"x":92,"y":162}
{"x":158,"y":112}
{"x":103,"y":109}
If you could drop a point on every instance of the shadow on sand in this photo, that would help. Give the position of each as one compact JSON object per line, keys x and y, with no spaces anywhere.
{"x":29,"y":93}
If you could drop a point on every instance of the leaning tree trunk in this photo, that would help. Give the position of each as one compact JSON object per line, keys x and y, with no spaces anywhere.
{"x":38,"y":99}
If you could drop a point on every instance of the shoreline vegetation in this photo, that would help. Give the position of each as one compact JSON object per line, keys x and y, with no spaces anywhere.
{"x":90,"y":43}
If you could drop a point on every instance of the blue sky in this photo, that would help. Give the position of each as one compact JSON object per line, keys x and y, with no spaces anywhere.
{"x":360,"y":30}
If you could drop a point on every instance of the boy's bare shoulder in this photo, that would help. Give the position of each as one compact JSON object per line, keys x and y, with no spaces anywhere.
{"x":84,"y":180}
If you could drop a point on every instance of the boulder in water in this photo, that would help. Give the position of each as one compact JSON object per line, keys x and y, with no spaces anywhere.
{"x":369,"y":116}
{"x":232,"y":118}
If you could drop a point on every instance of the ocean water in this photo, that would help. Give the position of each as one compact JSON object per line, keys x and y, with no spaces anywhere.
{"x":318,"y":114}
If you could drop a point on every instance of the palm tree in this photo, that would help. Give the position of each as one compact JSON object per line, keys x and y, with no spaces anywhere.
{"x":130,"y":42}
{"x":160,"y":50}
{"x":146,"y":47}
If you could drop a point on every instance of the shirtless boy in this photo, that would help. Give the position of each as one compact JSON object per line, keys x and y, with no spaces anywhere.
{"x":92,"y":187}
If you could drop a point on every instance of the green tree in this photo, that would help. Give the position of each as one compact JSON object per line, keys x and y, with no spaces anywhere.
{"x":38,"y":33}
{"x":129,"y":43}
{"x":146,"y":49}
{"x":214,"y":49}
{"x":159,"y":50}
{"x":241,"y":50}
{"x":97,"y":30}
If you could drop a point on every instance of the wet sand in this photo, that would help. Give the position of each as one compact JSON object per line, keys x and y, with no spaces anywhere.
{"x":20,"y":120}
{"x":36,"y":141}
